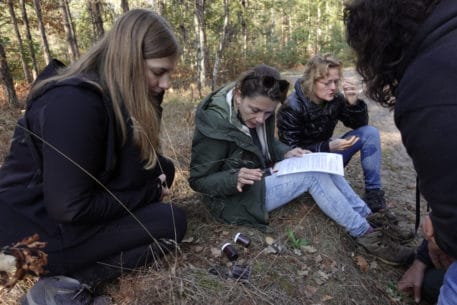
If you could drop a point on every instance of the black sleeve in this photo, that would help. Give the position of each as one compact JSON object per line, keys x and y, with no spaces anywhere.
{"x":354,"y":116}
{"x":291,"y":130}
{"x":422,"y":253}
{"x":429,"y":138}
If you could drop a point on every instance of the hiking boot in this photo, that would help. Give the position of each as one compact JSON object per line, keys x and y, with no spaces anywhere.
{"x":61,"y":290}
{"x":375,"y":200}
{"x":383,"y":222}
{"x":382,"y":247}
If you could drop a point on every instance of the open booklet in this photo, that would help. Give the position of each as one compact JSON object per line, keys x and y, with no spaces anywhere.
{"x":313,"y":162}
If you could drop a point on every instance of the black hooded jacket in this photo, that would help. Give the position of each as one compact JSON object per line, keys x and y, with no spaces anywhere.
{"x":55,"y":182}
{"x":303,"y":123}
{"x":426,"y":115}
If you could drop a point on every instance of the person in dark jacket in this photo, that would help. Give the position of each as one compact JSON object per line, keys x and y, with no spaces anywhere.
{"x":85,"y":170}
{"x":234,"y":148}
{"x":406,"y":55}
{"x":309,"y":117}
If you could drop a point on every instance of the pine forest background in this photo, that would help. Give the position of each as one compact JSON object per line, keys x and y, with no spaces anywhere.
{"x":220,"y":38}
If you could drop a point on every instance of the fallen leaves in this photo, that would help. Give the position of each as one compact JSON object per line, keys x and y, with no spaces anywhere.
{"x":22,"y":259}
{"x":361,"y":263}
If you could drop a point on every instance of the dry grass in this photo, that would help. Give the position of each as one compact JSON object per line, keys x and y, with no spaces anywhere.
{"x":330,"y":275}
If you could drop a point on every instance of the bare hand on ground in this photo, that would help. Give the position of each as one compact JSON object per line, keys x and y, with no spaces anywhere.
{"x":165,"y":189}
{"x":411,"y":281}
{"x":342,"y":144}
{"x":248,"y":176}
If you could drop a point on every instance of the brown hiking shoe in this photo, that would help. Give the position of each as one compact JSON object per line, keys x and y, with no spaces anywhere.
{"x":383,"y":221}
{"x":382,"y":247}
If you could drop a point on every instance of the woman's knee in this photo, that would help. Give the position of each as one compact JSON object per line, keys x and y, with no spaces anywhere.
{"x":367,"y":132}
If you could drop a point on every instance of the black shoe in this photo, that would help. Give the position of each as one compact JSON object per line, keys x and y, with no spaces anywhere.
{"x":375,"y":200}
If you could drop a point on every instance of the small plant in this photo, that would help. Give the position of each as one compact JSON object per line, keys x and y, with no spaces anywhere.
{"x":393,"y":292}
{"x":294,"y":241}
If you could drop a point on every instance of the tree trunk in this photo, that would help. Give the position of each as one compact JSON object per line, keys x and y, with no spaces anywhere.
{"x":72,"y":47}
{"x":25,"y":68}
{"x":222,"y":44}
{"x":125,"y":6}
{"x":95,"y":14}
{"x":318,"y":28}
{"x":244,"y":30}
{"x":201,"y":42}
{"x":44,"y":39}
{"x":25,"y":19}
{"x":6,"y":80}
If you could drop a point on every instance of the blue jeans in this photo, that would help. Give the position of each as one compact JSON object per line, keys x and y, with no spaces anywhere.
{"x":369,"y":145}
{"x":448,"y":292}
{"x":332,"y":194}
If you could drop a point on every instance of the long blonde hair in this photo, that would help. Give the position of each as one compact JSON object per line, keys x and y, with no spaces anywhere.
{"x":316,"y":69}
{"x":118,"y":62}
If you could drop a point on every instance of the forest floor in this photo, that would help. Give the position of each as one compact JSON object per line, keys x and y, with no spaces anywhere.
{"x":318,"y":262}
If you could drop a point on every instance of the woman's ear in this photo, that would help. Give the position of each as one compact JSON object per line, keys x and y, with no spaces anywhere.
{"x":237,"y":97}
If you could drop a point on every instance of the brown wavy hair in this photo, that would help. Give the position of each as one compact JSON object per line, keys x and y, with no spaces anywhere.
{"x":263,"y":80}
{"x":118,"y":60}
{"x":380,"y":32}
{"x":316,"y":69}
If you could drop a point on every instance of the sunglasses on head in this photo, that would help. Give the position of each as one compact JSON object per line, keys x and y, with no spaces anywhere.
{"x":270,"y":81}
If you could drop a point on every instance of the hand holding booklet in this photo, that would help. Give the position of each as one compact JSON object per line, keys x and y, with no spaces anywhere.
{"x":313,"y":162}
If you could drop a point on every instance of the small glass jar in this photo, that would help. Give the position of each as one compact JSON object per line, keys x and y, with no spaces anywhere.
{"x":229,"y":251}
{"x":242,"y":239}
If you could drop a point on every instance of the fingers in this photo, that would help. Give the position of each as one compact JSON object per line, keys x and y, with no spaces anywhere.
{"x":404,"y":286}
{"x":296,"y":152}
{"x":417,"y":293}
{"x":248,"y":176}
{"x":347,"y":142}
{"x":350,"y":90}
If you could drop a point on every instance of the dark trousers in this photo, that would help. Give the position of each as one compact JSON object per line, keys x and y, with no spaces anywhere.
{"x":125,"y":243}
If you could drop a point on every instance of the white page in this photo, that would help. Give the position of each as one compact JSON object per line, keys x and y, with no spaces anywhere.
{"x":313,"y":162}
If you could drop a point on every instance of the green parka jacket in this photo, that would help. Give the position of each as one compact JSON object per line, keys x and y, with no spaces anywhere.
{"x":221,"y":146}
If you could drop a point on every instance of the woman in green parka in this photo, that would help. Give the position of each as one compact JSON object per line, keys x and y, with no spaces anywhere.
{"x":234,"y":148}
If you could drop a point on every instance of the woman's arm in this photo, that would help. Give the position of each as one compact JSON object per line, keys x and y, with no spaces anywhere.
{"x":209,"y":170}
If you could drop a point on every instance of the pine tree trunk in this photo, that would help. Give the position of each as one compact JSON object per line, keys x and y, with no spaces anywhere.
{"x":25,"y":68}
{"x":72,"y":47}
{"x":125,"y":6}
{"x":201,"y":42}
{"x":44,"y":39}
{"x":95,"y":13}
{"x":6,"y":80}
{"x":25,"y":19}
{"x":222,"y":45}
